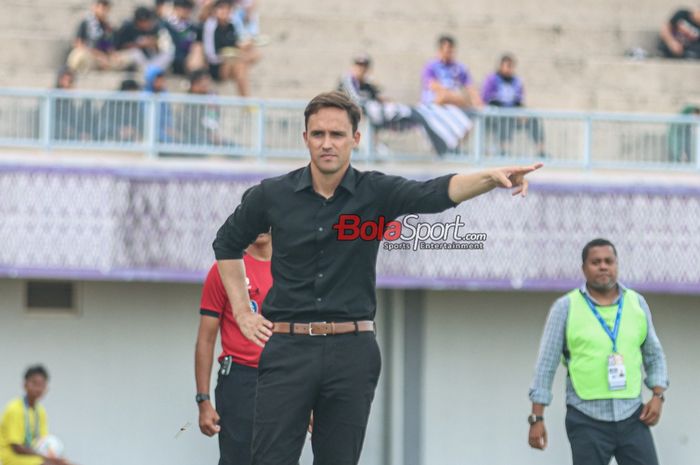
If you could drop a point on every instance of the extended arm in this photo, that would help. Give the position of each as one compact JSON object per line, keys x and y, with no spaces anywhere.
{"x":466,"y":186}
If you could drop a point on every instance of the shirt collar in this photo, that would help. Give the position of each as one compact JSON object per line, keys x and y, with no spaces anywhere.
{"x":348,"y":182}
{"x":621,"y":287}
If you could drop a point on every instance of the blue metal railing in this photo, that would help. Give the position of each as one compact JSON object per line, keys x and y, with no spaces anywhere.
{"x":211,"y":125}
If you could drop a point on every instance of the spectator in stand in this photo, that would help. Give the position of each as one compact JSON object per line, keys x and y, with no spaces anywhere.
{"x":681,"y":141}
{"x":123,"y":120}
{"x":446,"y":81}
{"x":680,"y":36}
{"x":94,"y":41}
{"x":155,"y":83}
{"x":201,"y":120}
{"x":184,"y":32}
{"x":144,"y":34}
{"x":504,"y":89}
{"x":356,"y":84}
{"x":246,"y":19}
{"x":73,"y":118}
{"x":229,"y":57}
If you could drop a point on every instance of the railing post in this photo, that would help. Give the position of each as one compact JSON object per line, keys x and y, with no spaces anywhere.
{"x":697,"y":145}
{"x":478,"y":144}
{"x":45,"y":126}
{"x":587,"y":138}
{"x":260,"y":144}
{"x":371,"y":155}
{"x":151,"y":130}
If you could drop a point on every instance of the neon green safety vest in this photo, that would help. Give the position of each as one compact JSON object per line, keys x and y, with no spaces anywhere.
{"x":589,"y":346}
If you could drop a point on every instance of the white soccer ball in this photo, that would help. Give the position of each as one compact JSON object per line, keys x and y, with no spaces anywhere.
{"x":50,"y":446}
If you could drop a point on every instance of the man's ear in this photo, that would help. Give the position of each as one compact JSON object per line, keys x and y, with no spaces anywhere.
{"x":357,"y":136}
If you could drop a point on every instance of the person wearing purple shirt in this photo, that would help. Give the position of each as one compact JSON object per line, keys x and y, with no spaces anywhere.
{"x":504,"y":89}
{"x":446,"y":81}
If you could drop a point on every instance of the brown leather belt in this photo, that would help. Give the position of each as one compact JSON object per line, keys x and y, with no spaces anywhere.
{"x":323,"y":328}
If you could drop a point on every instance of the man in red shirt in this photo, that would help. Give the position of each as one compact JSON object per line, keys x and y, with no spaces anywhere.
{"x":237,"y":376}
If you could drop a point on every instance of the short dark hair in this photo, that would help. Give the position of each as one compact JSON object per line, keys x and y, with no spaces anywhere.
{"x":143,"y":13}
{"x":599,"y":242}
{"x":507,"y":58}
{"x":198,"y":74}
{"x":188,"y":4}
{"x":334,"y":99}
{"x":219,"y":3}
{"x":446,"y":39}
{"x":103,"y":2}
{"x":36,"y":370}
{"x":129,"y":84}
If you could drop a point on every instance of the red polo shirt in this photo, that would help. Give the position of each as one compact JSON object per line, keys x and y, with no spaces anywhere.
{"x":215,"y":303}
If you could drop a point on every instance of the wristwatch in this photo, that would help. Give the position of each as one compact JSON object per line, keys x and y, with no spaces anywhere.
{"x":660,"y":395}
{"x":532,"y":419}
{"x":200,"y":397}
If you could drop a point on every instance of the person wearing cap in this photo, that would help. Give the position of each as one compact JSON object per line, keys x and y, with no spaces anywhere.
{"x":317,"y":324}
{"x":604,"y":335}
{"x":355,"y":82}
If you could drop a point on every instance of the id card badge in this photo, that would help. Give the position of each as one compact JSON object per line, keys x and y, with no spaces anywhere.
{"x":617,"y":380}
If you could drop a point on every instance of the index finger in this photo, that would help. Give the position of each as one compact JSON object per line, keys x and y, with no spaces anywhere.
{"x":525,"y":169}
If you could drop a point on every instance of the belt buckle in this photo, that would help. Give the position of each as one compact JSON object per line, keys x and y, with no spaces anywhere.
{"x":311,"y":333}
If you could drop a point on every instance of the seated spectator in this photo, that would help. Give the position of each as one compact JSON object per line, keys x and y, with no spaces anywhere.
{"x":681,"y":141}
{"x":446,"y":81}
{"x":184,"y":32}
{"x":201,"y":120}
{"x":123,"y":120}
{"x":445,"y":125}
{"x":229,"y":57}
{"x":504,"y":89}
{"x":162,"y":9}
{"x":155,"y":83}
{"x":680,"y":36}
{"x":355,"y":82}
{"x":72,"y":117}
{"x":149,"y":40}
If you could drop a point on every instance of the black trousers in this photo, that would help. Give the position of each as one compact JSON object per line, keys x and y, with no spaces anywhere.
{"x":235,"y":404}
{"x":335,"y":376}
{"x":595,"y":442}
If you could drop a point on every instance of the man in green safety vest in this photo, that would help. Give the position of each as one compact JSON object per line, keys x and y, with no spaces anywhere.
{"x":604,"y":335}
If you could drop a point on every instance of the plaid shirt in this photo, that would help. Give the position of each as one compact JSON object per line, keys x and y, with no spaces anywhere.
{"x":552,"y":347}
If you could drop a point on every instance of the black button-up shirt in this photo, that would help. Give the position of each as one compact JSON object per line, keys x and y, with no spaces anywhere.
{"x":317,"y":277}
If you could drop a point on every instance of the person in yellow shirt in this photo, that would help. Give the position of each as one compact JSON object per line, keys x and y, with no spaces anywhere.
{"x":24,"y":422}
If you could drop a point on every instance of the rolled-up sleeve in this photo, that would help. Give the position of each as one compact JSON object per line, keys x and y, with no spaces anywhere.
{"x":653,"y":354}
{"x":401,"y":196}
{"x":243,"y":226}
{"x":551,"y":350}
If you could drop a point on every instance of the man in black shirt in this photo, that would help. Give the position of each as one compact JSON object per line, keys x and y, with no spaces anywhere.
{"x":324,"y":286}
{"x":680,"y":36}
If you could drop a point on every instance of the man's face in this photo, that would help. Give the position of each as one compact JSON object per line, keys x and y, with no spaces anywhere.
{"x":65,"y":82}
{"x":201,"y":86}
{"x":182,"y":13}
{"x":361,"y":70}
{"x":447,"y":52}
{"x":101,"y":11}
{"x":330,"y":139}
{"x":159,"y":84}
{"x":144,"y":25}
{"x":223,"y":13}
{"x":600,"y":268}
{"x":35,"y":387}
{"x":507,"y":68}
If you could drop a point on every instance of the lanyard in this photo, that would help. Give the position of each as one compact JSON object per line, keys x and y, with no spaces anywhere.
{"x":611,"y":334}
{"x":28,"y":438}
